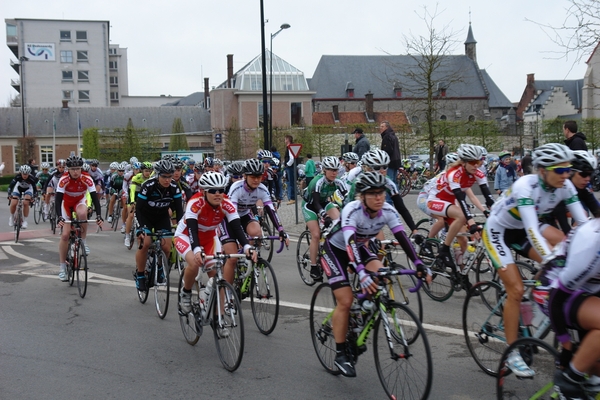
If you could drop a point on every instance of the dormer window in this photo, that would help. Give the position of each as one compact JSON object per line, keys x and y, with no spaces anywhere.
{"x":397,"y":89}
{"x":442,"y":87}
{"x":350,"y":90}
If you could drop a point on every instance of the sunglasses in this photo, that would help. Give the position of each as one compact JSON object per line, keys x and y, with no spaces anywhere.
{"x":216,"y":191}
{"x":237,"y":176}
{"x":331,"y":169}
{"x":266,"y":161}
{"x":475,"y":163}
{"x":586,"y":174}
{"x":376,"y":194}
{"x":379,"y":167}
{"x":559,"y":170}
{"x":166,"y":176}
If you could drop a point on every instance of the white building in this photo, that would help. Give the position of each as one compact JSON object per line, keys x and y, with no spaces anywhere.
{"x":66,"y":60}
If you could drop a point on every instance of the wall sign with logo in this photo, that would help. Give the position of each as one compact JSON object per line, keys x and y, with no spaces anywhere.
{"x":40,"y":51}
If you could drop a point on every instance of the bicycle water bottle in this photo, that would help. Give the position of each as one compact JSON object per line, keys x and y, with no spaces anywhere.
{"x":458,"y":254}
{"x":204,"y":296}
{"x":470,"y":253}
{"x":355,"y":317}
{"x":366,"y":308}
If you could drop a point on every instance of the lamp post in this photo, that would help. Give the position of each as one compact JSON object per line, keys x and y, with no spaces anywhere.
{"x":282,"y":27}
{"x":264,"y":76}
{"x":22,"y":59}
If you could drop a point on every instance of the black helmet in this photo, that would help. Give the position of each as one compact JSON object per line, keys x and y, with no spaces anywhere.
{"x":253,"y":166}
{"x":74,"y":161}
{"x":164,"y":167}
{"x":236,"y":168}
{"x":370,"y":180}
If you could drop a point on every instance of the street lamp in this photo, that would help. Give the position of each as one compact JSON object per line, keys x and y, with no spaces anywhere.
{"x":282,"y":27}
{"x":264,"y":76}
{"x":22,"y":59}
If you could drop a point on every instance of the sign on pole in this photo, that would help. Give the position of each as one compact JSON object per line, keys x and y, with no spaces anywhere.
{"x":295,"y":149}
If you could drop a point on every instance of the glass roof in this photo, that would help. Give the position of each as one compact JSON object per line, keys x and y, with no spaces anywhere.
{"x":286,"y":77}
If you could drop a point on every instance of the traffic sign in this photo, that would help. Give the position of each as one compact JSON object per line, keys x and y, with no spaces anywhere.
{"x":295,"y":148}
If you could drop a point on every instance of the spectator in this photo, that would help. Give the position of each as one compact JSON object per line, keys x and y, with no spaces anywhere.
{"x":389,"y":144}
{"x":505,"y":173}
{"x":309,"y":170}
{"x":440,"y":152}
{"x":33,"y":166}
{"x":526,"y":164}
{"x":573,"y":139}
{"x":289,"y":170}
{"x":362,"y":143}
{"x":276,"y":154}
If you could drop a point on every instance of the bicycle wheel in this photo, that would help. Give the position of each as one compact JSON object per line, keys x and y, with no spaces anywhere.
{"x":70,"y":264}
{"x":484,"y":269}
{"x":161,"y":284}
{"x":423,"y":227}
{"x":267,"y":245}
{"x":17,"y":225}
{"x":228,"y":326}
{"x":264,"y":297}
{"x":405,"y":369}
{"x":322,"y":305}
{"x":81,"y":269}
{"x":52,"y":218}
{"x":404,"y":183}
{"x":116,"y":215}
{"x":190,"y":329}
{"x":398,"y":292}
{"x":483,"y":325}
{"x":37,"y":211}
{"x":142,"y":294}
{"x":131,"y":234}
{"x":539,"y":356}
{"x":441,"y":286}
{"x":303,"y":258}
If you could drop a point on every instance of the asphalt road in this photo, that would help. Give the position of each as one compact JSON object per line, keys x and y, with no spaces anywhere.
{"x":53,"y":344}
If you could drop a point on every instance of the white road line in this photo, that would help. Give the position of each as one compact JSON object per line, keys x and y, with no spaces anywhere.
{"x":30,"y":260}
{"x":3,"y":256}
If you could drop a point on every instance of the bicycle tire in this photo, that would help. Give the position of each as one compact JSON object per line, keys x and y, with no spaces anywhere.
{"x":405,"y":369}
{"x":37,"y":211}
{"x":142,"y":294}
{"x":161,"y":286}
{"x":17,"y":226}
{"x":404,"y":183}
{"x":187,"y":321}
{"x":131,"y":234}
{"x":483,"y":326}
{"x":441,"y":286}
{"x":422,"y":226}
{"x":303,"y":258}
{"x":268,"y":245}
{"x":52,"y":217}
{"x":81,"y":269}
{"x":70,"y":263}
{"x":230,"y":346}
{"x":264,"y":297}
{"x":116,"y":215}
{"x":322,"y":305}
{"x":538,"y":355}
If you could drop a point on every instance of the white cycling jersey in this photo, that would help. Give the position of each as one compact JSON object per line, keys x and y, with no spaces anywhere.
{"x":244,"y":199}
{"x":351,"y":175}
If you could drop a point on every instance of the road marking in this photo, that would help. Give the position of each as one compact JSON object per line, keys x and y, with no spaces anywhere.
{"x":30,"y":261}
{"x":3,"y":256}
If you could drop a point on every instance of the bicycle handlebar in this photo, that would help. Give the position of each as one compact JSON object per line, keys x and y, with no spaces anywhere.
{"x":77,"y":221}
{"x":270,"y":238}
{"x":222,"y":256}
{"x":386,"y":271}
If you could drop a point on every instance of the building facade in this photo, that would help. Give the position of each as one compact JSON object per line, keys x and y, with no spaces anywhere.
{"x":66,"y":61}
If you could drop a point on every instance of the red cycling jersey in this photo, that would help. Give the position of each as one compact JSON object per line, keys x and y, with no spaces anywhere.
{"x":456,"y":178}
{"x":74,"y":190}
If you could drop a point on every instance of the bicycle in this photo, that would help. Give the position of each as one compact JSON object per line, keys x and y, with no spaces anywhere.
{"x":258,"y":281}
{"x":116,"y":215}
{"x":77,"y":257}
{"x":38,"y":210}
{"x":221,"y":310}
{"x":401,"y":349}
{"x":303,"y":252}
{"x":267,"y":231}
{"x":483,"y":322}
{"x":403,"y":182}
{"x":52,"y":213}
{"x":157,"y":274}
{"x":18,"y":218}
{"x":134,"y":228}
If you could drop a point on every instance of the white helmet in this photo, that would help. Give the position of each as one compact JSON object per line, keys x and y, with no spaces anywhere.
{"x":469,"y":152}
{"x":331,"y":163}
{"x":374,"y":158}
{"x":25,"y":169}
{"x":551,"y":154}
{"x":133,"y":160}
{"x":114,"y":165}
{"x":483,"y":151}
{"x":451,"y":158}
{"x":350,"y":157}
{"x":45,"y":165}
{"x":584,"y":161}
{"x":212,"y":180}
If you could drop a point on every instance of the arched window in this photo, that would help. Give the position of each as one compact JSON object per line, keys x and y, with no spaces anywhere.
{"x":471,"y":118}
{"x":443,"y":118}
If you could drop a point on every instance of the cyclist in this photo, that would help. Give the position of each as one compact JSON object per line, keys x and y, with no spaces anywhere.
{"x":244,"y":195}
{"x":134,"y":189}
{"x":23,"y":184}
{"x":181,"y":183}
{"x":269,"y":177}
{"x":54,"y":178}
{"x":194,"y":178}
{"x":514,"y":223}
{"x":157,"y":195}
{"x":209,"y":164}
{"x":569,"y":295}
{"x":97,"y":177}
{"x":196,"y":233}
{"x":235,"y":172}
{"x":450,"y":188}
{"x":318,"y":204}
{"x":218,"y":166}
{"x":42,"y":181}
{"x":116,"y":189}
{"x":361,"y":221}
{"x":350,"y":159}
{"x":71,"y":197}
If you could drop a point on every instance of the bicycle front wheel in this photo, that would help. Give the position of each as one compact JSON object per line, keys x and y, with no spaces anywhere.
{"x":228,"y":326}
{"x":404,"y":183}
{"x":71,"y":264}
{"x":322,"y":305}
{"x":81,"y":269}
{"x":441,"y":287}
{"x":37,"y":211}
{"x":483,"y":325}
{"x":402,"y":358}
{"x":189,"y":327}
{"x":267,"y":244}
{"x":539,"y":356}
{"x":17,"y":226}
{"x":303,"y":258}
{"x":161,"y":284}
{"x":264,"y":298}
{"x":52,"y":218}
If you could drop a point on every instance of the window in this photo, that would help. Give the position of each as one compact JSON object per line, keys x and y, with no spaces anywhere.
{"x":112,"y":51}
{"x":65,"y":36}
{"x":81,"y":36}
{"x":11,"y":30}
{"x":83,"y":76}
{"x":46,"y":154}
{"x":296,"y":113}
{"x":415,"y":120}
{"x":112,"y":65}
{"x":114,"y":96}
{"x":67,"y":94}
{"x":82,"y":56}
{"x":84,"y":96}
{"x":471,"y":118}
{"x":114,"y":80}
{"x":67,"y":76}
{"x":66,"y":56}
{"x":443,"y":118}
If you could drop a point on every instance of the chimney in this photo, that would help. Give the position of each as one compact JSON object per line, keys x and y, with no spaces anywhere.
{"x":229,"y":70}
{"x":530,"y":79}
{"x":65,"y":103}
{"x":336,"y":113}
{"x":206,"y":93}
{"x":369,"y":105}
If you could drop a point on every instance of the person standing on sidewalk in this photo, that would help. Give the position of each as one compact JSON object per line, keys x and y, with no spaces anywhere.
{"x":440,"y":155}
{"x":289,"y":169}
{"x":309,"y":170}
{"x":362,"y":143}
{"x":389,"y":144}
{"x":573,"y":139}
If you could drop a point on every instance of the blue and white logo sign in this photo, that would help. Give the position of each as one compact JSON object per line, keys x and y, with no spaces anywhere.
{"x":40,"y":51}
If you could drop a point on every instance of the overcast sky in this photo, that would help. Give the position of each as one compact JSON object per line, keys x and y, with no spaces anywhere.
{"x":173,"y":45}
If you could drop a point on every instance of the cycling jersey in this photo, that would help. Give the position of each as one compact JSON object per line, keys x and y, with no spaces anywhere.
{"x":116,"y":182}
{"x":154,"y":200}
{"x":192,"y":182}
{"x":19,"y":185}
{"x":71,"y":192}
{"x":455,"y":178}
{"x":320,"y":191}
{"x":185,"y":189}
{"x":97,"y":176}
{"x":351,"y":175}
{"x":244,"y":199}
{"x":135,"y":186}
{"x":521,"y":207}
{"x":42,"y":179}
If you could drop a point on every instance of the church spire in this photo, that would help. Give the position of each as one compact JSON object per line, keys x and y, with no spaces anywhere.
{"x":471,"y":44}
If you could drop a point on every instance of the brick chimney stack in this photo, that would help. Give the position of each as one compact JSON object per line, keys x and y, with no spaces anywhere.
{"x":229,"y":70}
{"x":206,"y":93}
{"x":369,"y":105}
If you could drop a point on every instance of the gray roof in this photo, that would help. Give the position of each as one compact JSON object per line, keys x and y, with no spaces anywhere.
{"x":572,"y":87}
{"x":497,"y":99}
{"x":195,"y":119}
{"x":377,"y":74}
{"x":193,"y":100}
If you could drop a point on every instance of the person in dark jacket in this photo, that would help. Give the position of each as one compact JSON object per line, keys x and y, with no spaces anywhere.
{"x":573,"y":139}
{"x":362,"y":143}
{"x":527,"y":164}
{"x":389,"y":144}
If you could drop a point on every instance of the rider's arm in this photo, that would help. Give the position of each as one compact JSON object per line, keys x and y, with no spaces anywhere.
{"x":460,"y":198}
{"x":96,"y":202}
{"x":588,"y":199}
{"x":12,"y":185}
{"x":58,"y":203}
{"x":401,"y":208}
{"x":178,"y":203}
{"x":574,"y":205}
{"x":235,"y":224}
{"x":265,"y":196}
{"x":529,"y":216}
{"x":489,"y":199}
{"x":475,"y":200}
